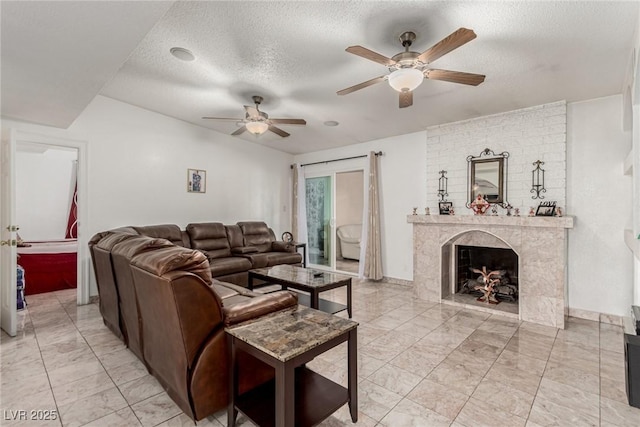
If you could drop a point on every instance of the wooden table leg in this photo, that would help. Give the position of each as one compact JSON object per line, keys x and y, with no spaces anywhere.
{"x":349,"y":299}
{"x":285,"y":395}
{"x":352,"y":356}
{"x":232,"y":412}
{"x":315,"y":299}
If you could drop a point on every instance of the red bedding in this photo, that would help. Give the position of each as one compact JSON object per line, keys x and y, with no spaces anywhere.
{"x":49,"y":266}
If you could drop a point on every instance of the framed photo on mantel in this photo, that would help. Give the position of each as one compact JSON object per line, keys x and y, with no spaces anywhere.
{"x":546,"y":209}
{"x":445,"y":208}
{"x":196,"y":181}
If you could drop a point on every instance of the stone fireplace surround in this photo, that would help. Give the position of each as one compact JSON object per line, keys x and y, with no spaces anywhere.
{"x":539,"y":242}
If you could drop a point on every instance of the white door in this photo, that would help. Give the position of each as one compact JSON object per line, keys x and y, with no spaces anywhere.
{"x":8,"y":237}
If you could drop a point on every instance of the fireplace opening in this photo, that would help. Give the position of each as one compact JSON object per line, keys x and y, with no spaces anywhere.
{"x":472,"y":261}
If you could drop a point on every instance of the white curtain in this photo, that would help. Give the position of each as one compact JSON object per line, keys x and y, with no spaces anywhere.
{"x":299,"y":209}
{"x":370,"y":242}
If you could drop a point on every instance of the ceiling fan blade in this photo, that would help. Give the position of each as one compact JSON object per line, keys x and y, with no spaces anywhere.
{"x":239,"y":131}
{"x":370,"y":55}
{"x":278,"y":131}
{"x":455,"y":77}
{"x":406,"y":99}
{"x":288,"y":121}
{"x":361,"y":85}
{"x":252,"y":111}
{"x":447,"y":44}
{"x":223,"y":118}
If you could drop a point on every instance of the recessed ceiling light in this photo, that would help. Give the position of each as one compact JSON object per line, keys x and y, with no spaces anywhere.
{"x":331,"y":123}
{"x":182,"y":54}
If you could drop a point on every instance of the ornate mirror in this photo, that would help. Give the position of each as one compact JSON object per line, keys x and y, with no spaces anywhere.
{"x":487,"y":176}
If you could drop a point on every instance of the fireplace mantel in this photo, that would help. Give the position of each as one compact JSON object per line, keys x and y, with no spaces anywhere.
{"x":505,"y":221}
{"x":539,"y":242}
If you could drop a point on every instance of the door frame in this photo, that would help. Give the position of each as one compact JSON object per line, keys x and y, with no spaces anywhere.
{"x":8,"y":255}
{"x":83,"y":263}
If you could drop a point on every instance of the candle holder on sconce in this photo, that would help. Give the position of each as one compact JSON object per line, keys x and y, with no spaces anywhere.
{"x":537,"y":180}
{"x":442,"y":186}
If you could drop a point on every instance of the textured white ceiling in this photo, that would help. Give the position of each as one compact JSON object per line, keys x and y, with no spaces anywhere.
{"x":56,"y":56}
{"x":292,"y":53}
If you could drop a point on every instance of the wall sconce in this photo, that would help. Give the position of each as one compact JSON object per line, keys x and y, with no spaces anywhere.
{"x":537,"y":180}
{"x":442,"y":186}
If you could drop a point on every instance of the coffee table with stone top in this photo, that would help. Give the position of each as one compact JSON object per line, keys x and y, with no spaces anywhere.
{"x":287,"y":340}
{"x":307,"y":280}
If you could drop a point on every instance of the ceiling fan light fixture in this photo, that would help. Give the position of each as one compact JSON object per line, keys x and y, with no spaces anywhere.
{"x":405,"y":79}
{"x":257,"y":127}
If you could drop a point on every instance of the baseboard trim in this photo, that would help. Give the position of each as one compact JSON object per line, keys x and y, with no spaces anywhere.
{"x":398,"y":281}
{"x":610,"y":319}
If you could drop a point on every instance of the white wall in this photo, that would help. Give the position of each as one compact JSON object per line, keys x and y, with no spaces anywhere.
{"x":529,"y":134}
{"x":402,"y":186}
{"x":44,"y":189}
{"x":138,"y":163}
{"x":600,"y":264}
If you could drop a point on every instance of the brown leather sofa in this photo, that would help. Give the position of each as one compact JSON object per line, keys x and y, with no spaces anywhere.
{"x":232,"y":250}
{"x":172,"y":314}
{"x":183,"y":318}
{"x":229,"y":246}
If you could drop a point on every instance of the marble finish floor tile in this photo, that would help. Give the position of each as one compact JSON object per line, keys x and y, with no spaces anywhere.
{"x":376,"y":401}
{"x":410,"y":414}
{"x":438,"y":398}
{"x":476,"y":413}
{"x":90,"y":408}
{"x":419,"y":364}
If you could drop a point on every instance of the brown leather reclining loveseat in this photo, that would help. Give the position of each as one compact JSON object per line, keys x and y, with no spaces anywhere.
{"x":232,"y":250}
{"x":175,"y":324}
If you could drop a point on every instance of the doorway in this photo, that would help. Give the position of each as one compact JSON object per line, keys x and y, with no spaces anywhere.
{"x":334,"y":204}
{"x":8,"y":283}
{"x":47,"y":244}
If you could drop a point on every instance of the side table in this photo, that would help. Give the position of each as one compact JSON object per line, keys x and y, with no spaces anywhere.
{"x":287,"y":340}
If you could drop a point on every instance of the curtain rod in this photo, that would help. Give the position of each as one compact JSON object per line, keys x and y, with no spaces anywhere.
{"x":378,"y":153}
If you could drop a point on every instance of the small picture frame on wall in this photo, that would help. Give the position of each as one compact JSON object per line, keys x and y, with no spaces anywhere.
{"x":546,"y":209}
{"x":445,"y":208}
{"x":196,"y":181}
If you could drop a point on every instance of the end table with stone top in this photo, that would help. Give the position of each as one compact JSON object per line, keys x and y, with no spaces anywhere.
{"x":287,"y":340}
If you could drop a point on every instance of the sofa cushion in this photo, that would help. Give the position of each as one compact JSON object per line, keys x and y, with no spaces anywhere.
{"x":223,"y":292}
{"x":165,"y":260}
{"x":275,"y":258}
{"x":258,"y":306}
{"x":210,"y":237}
{"x":234,"y":235}
{"x":256,"y":233}
{"x":224,"y":266}
{"x":112,"y":239}
{"x":268,"y":259}
{"x":171,"y":232}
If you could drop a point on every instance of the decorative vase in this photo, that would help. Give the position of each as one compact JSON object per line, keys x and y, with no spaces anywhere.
{"x":479,"y":206}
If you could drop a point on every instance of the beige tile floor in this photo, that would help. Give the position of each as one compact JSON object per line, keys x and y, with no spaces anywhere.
{"x":420,"y":364}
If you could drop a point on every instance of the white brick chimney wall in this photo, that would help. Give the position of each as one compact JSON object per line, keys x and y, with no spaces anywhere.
{"x":529,"y":134}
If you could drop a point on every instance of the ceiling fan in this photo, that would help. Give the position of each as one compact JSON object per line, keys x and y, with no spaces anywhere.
{"x":258,"y":122}
{"x":408,"y":69}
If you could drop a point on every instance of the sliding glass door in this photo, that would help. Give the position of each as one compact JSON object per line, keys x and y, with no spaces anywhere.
{"x":319,"y":197}
{"x":334,"y":202}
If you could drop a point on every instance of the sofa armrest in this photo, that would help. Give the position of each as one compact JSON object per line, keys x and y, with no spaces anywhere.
{"x":278,"y":246}
{"x":258,"y":306}
{"x":240,"y":250}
